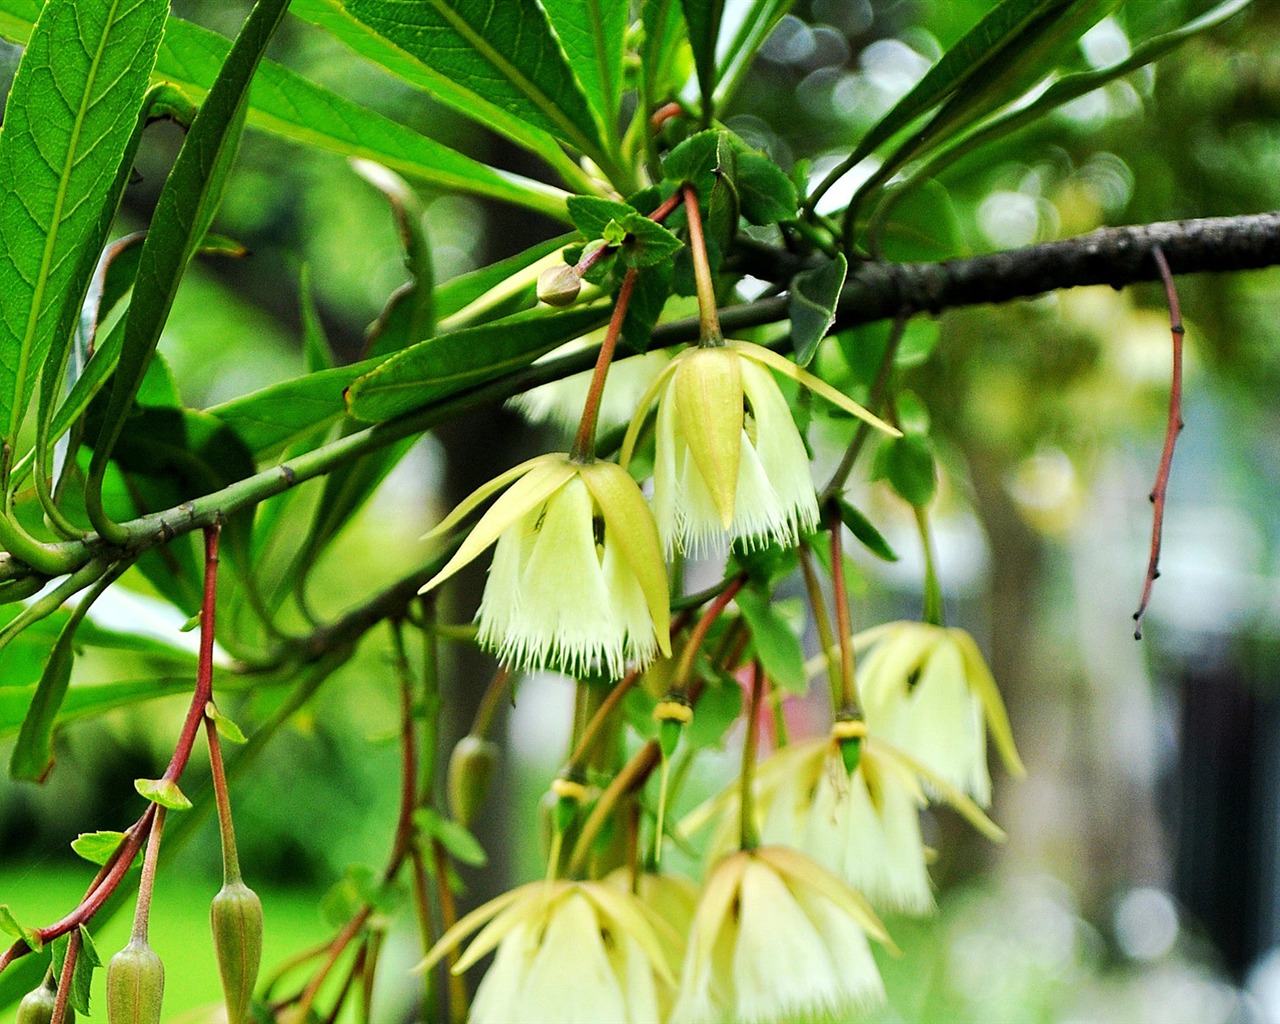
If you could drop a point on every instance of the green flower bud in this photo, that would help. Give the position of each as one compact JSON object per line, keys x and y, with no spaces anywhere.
{"x":135,"y":985}
{"x":236,"y":915}
{"x":37,"y":1005}
{"x":559,"y":286}
{"x":471,"y":768}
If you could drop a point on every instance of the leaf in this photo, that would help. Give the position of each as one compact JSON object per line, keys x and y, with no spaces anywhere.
{"x":502,"y":53}
{"x":663,"y":31}
{"x":444,"y":365}
{"x":865,"y":531}
{"x":164,"y":792}
{"x":906,"y":463}
{"x":67,"y":124}
{"x":10,"y":924}
{"x":461,"y":845}
{"x":317,"y":352}
{"x":461,"y":291}
{"x":97,"y":847}
{"x":717,"y":709}
{"x":271,"y":419}
{"x":33,"y":755}
{"x":812,"y":306}
{"x":190,"y":195}
{"x":592,"y":215}
{"x":695,"y":161}
{"x":88,"y":700}
{"x":703,"y":19}
{"x":759,"y":18}
{"x":648,"y":299}
{"x":592,"y":33}
{"x":776,"y":643}
{"x":765,"y":193}
{"x":81,"y":972}
{"x":227,"y":729}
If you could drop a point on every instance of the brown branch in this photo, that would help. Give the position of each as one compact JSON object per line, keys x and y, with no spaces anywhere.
{"x":1174,"y":428}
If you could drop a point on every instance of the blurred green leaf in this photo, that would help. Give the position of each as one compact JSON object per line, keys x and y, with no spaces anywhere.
{"x":503,"y":54}
{"x":454,"y":837}
{"x":703,"y":19}
{"x":865,"y":531}
{"x":434,"y":369}
{"x":67,"y":124}
{"x":906,"y":464}
{"x":775,"y":642}
{"x":717,"y":709}
{"x":759,"y":18}
{"x":812,"y":306}
{"x":87,"y":700}
{"x":33,"y":754}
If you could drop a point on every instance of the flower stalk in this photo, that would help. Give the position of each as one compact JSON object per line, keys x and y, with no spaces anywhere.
{"x":709,"y":334}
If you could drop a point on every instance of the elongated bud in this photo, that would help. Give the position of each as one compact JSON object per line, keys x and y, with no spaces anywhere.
{"x":236,"y":915}
{"x":37,"y":1005}
{"x":135,"y":985}
{"x":559,"y":286}
{"x":471,"y":767}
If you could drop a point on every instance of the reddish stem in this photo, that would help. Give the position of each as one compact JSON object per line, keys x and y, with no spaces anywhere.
{"x":699,"y":633}
{"x":664,"y":114}
{"x":1172,"y":430}
{"x":584,"y":445}
{"x":64,"y":979}
{"x":593,"y":257}
{"x":844,"y":624}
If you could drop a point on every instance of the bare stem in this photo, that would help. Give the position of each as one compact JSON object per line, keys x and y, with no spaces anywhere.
{"x":584,"y":445}
{"x":142,"y":910}
{"x":708,"y":319}
{"x":844,"y":621}
{"x":748,"y":833}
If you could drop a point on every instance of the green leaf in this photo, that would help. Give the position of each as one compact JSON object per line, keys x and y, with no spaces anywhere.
{"x":88,"y":700}
{"x":648,"y":299}
{"x":592,"y":215}
{"x":592,"y":33}
{"x":765,"y":193}
{"x":444,"y":365}
{"x":164,"y":792}
{"x":273,"y":418}
{"x":663,"y":31}
{"x":67,"y":124}
{"x":501,"y":53}
{"x":696,"y":161}
{"x":759,"y":18}
{"x":906,"y":463}
{"x":10,"y":924}
{"x":461,"y":291}
{"x":227,"y":729}
{"x":812,"y":306}
{"x":186,"y":205}
{"x":33,"y":755}
{"x":717,"y":709}
{"x":776,"y":643}
{"x":647,"y":243}
{"x":461,"y":845}
{"x":81,"y":972}
{"x":317,"y":352}
{"x":703,"y":19}
{"x":865,"y":531}
{"x":97,"y":847}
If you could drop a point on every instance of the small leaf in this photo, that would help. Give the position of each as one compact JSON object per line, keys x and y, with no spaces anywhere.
{"x":457,"y":840}
{"x":97,"y":847}
{"x":812,"y":306}
{"x":718,"y":708}
{"x":864,"y":530}
{"x":227,"y":729}
{"x":10,"y":924}
{"x":765,"y":193}
{"x":164,"y":792}
{"x":695,"y":161}
{"x":647,"y":243}
{"x":591,"y":214}
{"x":776,"y":643}
{"x":906,"y":463}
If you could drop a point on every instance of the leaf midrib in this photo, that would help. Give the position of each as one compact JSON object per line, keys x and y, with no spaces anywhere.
{"x":51,"y":240}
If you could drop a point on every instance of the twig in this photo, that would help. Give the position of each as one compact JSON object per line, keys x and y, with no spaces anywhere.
{"x":1172,"y":430}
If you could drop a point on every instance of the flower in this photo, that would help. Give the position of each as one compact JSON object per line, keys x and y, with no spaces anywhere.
{"x":728,"y":456}
{"x":776,"y":937}
{"x":927,"y":690}
{"x":577,"y":581}
{"x":567,"y":953}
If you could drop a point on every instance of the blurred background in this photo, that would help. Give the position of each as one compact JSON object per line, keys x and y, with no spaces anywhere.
{"x":1141,"y":878}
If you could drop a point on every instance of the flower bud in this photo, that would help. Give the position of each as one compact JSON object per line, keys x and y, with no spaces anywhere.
{"x":471,"y":768}
{"x":559,"y":286}
{"x":37,"y":1005}
{"x":135,"y":985}
{"x":236,"y":915}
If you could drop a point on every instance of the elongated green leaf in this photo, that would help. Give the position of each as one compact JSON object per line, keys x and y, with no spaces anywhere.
{"x":664,"y":30}
{"x":501,"y":52}
{"x":1071,"y":87}
{"x":776,"y":643}
{"x":812,"y":306}
{"x":461,"y":291}
{"x":592,"y":33}
{"x":448,"y":363}
{"x":703,"y":19}
{"x":758,"y":19}
{"x":67,"y":124}
{"x":33,"y":755}
{"x":273,"y":418}
{"x":88,"y":700}
{"x":183,"y":211}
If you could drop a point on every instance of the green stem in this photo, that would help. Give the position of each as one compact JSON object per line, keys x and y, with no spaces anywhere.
{"x":822,"y":621}
{"x":844,"y":621}
{"x":748,"y":833}
{"x":933,"y":604}
{"x":584,"y":445}
{"x":226,"y":828}
{"x":710,"y":335}
{"x":489,"y":702}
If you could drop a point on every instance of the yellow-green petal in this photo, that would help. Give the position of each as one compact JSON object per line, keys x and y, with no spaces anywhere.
{"x":481,"y":493}
{"x":983,"y":683}
{"x":708,"y":397}
{"x":543,"y":479}
{"x":642,"y":409}
{"x":771,"y":359}
{"x":967,"y":809}
{"x":630,"y":526}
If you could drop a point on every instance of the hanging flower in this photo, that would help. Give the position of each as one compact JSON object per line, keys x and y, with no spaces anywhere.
{"x":927,"y":690}
{"x":729,"y":459}
{"x":577,"y":581}
{"x":567,"y":953}
{"x":777,"y":937}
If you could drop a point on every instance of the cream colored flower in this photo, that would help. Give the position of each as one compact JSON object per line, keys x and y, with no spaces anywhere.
{"x":578,"y":581}
{"x":567,"y":953}
{"x":776,"y":937}
{"x":729,"y":461}
{"x":927,"y":690}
